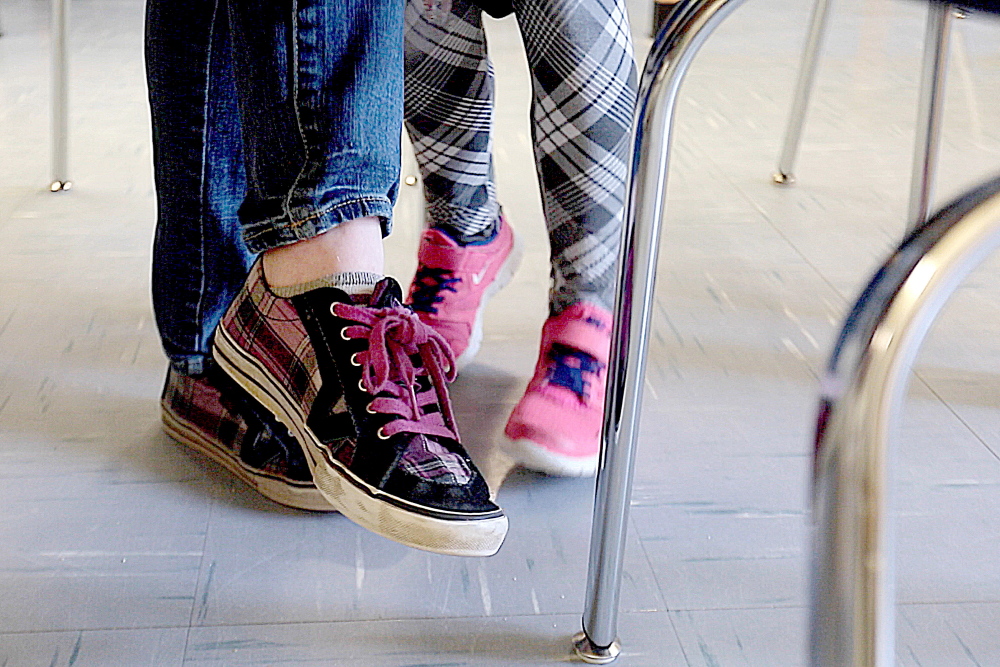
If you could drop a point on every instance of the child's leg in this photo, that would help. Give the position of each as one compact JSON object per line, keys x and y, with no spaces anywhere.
{"x":316,"y":335}
{"x":199,"y":258}
{"x":584,"y":84}
{"x":448,"y":109}
{"x":584,"y":90}
{"x":469,"y":253}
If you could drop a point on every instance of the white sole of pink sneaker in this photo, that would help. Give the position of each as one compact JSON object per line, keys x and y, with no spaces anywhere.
{"x":357,"y":500}
{"x":533,"y":456}
{"x":300,"y":496}
{"x":504,"y":276}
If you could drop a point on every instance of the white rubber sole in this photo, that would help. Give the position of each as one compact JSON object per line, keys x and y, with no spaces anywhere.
{"x":301,"y":496}
{"x":503,"y":278}
{"x":533,"y":456}
{"x":360,"y":502}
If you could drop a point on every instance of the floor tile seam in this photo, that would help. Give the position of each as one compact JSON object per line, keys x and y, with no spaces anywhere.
{"x":649,"y":563}
{"x":187,"y":643}
{"x":957,"y":416}
{"x":766,"y":607}
{"x":678,"y":610}
{"x":62,"y":631}
{"x":821,"y":354}
{"x":949,"y":603}
{"x":770,"y":223}
{"x":656,"y":576}
{"x":201,"y":569}
{"x":408,"y":619}
{"x":908,"y":603}
{"x":669,"y":609}
{"x":670,"y":612}
{"x":211,"y":626}
{"x":16,"y":202}
{"x":680,"y":642}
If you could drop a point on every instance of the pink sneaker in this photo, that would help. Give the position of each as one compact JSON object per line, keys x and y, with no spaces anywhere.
{"x":556,"y":427}
{"x":454,"y":282}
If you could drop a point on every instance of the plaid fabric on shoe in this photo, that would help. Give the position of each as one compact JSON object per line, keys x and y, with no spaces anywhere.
{"x":361,"y":382}
{"x":214,"y":416}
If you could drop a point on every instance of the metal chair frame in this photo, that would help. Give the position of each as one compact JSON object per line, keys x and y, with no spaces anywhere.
{"x":60,"y":96}
{"x":847,"y":629}
{"x":687,"y":28}
{"x":852,"y":619}
{"x":930,"y":104}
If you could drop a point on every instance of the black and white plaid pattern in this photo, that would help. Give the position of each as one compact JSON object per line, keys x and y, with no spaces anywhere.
{"x":584,"y":83}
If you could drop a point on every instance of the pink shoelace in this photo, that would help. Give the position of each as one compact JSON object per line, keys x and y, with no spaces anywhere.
{"x":394,"y":335}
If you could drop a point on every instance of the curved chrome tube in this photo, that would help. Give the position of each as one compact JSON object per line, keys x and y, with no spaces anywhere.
{"x":680,"y":38}
{"x":853,"y":574}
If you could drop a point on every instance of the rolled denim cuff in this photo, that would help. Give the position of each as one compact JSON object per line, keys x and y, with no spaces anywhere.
{"x":269,"y":234}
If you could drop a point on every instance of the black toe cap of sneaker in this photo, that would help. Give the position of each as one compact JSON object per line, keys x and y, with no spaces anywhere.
{"x":470,"y":498}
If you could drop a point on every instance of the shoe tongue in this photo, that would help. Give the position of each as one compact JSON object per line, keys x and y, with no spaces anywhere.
{"x":387,"y":294}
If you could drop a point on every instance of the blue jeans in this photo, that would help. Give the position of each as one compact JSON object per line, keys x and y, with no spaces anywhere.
{"x":273,"y":121}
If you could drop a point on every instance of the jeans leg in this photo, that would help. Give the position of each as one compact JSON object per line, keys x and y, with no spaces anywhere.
{"x":320,"y":91}
{"x":199,"y":258}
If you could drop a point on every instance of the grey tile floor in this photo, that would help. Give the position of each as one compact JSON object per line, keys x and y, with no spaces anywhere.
{"x":119,"y":548}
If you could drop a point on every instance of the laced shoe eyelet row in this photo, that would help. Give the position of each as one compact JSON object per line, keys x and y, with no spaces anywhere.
{"x":401,"y":349}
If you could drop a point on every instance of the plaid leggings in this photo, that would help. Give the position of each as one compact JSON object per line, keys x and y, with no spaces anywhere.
{"x":584,"y":89}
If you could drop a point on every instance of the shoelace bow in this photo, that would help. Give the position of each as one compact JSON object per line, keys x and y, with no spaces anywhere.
{"x":395,"y":335}
{"x":429,"y":283}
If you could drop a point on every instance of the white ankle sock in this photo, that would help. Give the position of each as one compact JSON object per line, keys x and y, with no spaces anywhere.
{"x":352,"y":282}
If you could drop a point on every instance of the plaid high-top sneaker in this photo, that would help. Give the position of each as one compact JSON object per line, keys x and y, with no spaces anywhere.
{"x":362,"y":386}
{"x":213,"y":415}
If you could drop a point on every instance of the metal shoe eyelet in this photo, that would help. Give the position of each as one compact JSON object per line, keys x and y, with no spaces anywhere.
{"x":361,"y":386}
{"x":343,"y":333}
{"x":381,"y":434}
{"x":369,"y":410}
{"x":332,"y":311}
{"x":354,"y":360}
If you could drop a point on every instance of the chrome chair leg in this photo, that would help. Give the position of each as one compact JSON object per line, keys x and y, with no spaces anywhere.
{"x":852,"y":619}
{"x":60,"y":96}
{"x":929,"y":111}
{"x":931,"y":101}
{"x":687,"y":28}
{"x":803,"y":90}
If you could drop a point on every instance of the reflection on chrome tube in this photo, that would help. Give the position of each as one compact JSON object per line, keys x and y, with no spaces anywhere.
{"x":689,"y":24}
{"x":853,"y":573}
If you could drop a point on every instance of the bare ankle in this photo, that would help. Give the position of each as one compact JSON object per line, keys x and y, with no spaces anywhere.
{"x":355,"y":245}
